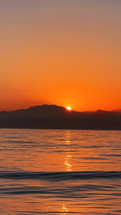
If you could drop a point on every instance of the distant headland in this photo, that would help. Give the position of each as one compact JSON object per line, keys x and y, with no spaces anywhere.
{"x":58,"y":117}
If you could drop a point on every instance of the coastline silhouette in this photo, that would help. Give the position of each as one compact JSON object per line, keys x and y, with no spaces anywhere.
{"x":57,"y":117}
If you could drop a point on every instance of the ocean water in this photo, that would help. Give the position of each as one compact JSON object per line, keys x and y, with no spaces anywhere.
{"x":60,"y":172}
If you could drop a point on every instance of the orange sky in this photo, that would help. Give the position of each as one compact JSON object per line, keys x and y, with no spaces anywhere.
{"x":60,"y":52}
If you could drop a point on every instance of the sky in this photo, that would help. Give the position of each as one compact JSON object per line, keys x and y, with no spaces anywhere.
{"x":63,"y":52}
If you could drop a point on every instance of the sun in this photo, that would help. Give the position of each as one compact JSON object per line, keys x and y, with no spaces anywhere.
{"x":68,"y":108}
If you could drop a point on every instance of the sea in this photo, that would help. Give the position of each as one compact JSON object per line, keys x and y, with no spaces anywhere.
{"x":60,"y":172}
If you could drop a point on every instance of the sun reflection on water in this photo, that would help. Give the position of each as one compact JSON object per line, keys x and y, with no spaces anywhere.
{"x":67,"y":163}
{"x":64,"y":209}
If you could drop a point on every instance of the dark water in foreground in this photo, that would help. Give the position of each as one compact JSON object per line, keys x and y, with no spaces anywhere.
{"x":60,"y":172}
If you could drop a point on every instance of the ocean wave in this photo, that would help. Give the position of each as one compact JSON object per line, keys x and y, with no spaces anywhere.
{"x":60,"y":176}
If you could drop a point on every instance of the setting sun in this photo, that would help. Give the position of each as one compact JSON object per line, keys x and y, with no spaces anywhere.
{"x":68,"y":108}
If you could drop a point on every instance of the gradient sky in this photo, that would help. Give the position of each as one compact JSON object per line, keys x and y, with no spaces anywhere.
{"x":64,"y":52}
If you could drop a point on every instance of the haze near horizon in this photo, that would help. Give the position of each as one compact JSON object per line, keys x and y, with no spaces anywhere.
{"x":60,"y":52}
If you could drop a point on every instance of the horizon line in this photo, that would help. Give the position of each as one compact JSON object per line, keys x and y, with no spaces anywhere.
{"x":26,"y":108}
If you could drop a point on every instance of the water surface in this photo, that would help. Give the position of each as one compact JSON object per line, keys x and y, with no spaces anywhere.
{"x":60,"y":172}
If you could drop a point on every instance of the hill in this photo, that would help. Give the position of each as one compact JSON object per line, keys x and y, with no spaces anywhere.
{"x":57,"y":117}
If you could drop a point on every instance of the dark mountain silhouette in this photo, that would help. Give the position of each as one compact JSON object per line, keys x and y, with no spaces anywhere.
{"x":57,"y":117}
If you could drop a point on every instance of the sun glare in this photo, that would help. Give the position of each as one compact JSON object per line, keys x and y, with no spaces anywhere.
{"x":68,"y":108}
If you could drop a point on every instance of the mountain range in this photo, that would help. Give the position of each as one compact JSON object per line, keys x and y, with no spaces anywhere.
{"x":57,"y":117}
